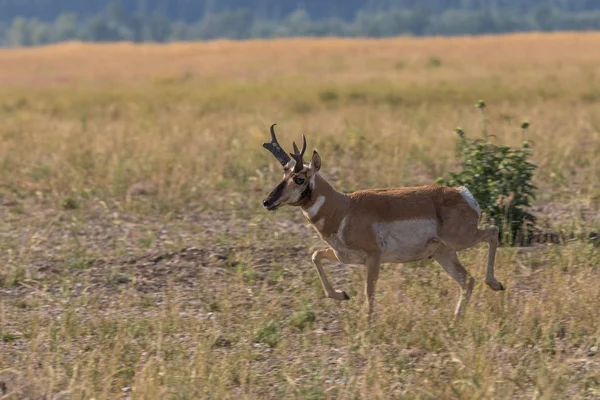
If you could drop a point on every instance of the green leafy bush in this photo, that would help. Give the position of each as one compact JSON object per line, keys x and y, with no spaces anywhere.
{"x":500,"y":179}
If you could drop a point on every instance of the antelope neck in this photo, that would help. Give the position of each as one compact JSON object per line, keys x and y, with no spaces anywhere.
{"x":324,"y":202}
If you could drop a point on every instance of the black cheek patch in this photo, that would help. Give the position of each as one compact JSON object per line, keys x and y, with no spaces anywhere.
{"x":276,"y":193}
{"x":307,"y":192}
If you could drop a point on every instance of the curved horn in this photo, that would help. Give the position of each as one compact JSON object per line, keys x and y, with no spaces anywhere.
{"x":298,"y":155}
{"x":303,"y":146}
{"x":275,"y":148}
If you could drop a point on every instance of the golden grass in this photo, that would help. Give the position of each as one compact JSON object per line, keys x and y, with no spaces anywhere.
{"x":138,"y":263}
{"x":321,"y":60}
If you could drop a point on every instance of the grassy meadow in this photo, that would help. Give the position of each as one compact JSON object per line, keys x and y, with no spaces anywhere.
{"x":136,"y":261}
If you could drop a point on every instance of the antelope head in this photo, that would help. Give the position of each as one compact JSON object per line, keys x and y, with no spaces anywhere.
{"x":295,"y":187}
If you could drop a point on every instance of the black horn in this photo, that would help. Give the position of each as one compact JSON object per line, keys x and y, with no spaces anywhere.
{"x":275,"y":148}
{"x":299,"y":155}
{"x":303,"y":147}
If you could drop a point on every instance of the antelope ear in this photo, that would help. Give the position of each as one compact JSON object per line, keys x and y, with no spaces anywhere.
{"x":315,"y":163}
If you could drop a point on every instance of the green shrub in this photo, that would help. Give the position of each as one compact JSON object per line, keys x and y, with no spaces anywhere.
{"x":500,"y":179}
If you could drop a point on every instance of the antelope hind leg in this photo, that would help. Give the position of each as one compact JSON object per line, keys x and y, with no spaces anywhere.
{"x":448,"y":259}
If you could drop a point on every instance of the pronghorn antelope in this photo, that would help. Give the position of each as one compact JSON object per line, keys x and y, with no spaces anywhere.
{"x":394,"y":225}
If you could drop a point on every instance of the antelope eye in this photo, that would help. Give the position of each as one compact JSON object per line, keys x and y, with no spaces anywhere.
{"x":299,"y":181}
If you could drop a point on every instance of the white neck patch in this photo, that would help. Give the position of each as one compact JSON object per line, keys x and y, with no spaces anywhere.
{"x":313,"y":210}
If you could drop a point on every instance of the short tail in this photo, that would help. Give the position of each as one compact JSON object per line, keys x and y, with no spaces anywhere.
{"x":470,"y":199}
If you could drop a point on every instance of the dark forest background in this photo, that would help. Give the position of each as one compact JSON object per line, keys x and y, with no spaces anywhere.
{"x":37,"y":22}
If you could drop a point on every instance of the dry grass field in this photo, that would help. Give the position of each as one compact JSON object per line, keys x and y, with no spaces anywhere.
{"x":136,"y":260}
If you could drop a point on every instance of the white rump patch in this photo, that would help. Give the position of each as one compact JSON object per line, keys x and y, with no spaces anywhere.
{"x":466,"y":194}
{"x":313,"y":210}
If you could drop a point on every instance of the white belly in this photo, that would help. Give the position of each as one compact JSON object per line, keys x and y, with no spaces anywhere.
{"x":399,"y":241}
{"x":407,"y":240}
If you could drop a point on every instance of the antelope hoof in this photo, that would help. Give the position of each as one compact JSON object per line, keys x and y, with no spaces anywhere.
{"x":339,"y":295}
{"x":494,"y":285}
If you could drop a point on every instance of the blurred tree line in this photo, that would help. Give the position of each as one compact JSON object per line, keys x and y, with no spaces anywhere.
{"x":36,"y":22}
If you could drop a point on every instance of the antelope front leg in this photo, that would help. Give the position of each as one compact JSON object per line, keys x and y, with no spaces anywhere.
{"x":373,"y":263}
{"x":317,"y":258}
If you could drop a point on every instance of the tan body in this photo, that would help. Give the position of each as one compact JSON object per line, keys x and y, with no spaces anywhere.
{"x":398,"y":225}
{"x":404,"y":224}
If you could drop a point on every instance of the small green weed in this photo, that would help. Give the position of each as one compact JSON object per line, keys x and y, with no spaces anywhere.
{"x":146,"y":242}
{"x":7,"y":337}
{"x":39,"y":172}
{"x":328,"y":95}
{"x":269,"y":334}
{"x":303,"y":319}
{"x":69,"y":203}
{"x":434,"y":62}
{"x":77,"y":260}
